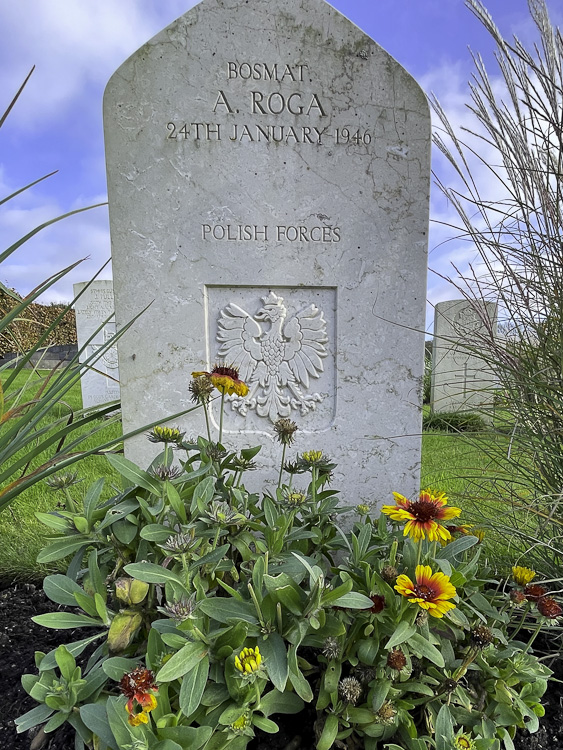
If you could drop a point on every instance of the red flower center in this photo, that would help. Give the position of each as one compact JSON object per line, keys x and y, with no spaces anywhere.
{"x":422,"y":591}
{"x":230,"y":372}
{"x":423,"y":510}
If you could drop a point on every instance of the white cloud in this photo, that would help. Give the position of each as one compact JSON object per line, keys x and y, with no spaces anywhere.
{"x":74,"y":45}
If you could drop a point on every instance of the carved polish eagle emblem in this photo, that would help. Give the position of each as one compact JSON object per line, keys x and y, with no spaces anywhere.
{"x":276,"y":355}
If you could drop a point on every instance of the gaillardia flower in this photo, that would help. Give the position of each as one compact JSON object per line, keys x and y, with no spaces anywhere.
{"x":431,"y":590}
{"x":422,"y":515}
{"x":225,"y":379}
{"x":249,"y":660}
{"x":138,"y":686}
{"x":522,"y":576}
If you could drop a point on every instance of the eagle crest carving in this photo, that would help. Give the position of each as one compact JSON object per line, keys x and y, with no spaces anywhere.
{"x":277,"y":356}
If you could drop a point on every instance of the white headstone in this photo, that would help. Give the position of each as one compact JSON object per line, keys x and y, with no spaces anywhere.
{"x":268,"y":179}
{"x":461,"y":379}
{"x":100,"y":383}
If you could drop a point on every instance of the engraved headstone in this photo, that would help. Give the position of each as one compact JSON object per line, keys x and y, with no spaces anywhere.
{"x":461,"y":379}
{"x":268,"y":179}
{"x":100,"y":383}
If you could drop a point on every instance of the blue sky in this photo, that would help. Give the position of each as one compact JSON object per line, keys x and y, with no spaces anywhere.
{"x":77,"y":44}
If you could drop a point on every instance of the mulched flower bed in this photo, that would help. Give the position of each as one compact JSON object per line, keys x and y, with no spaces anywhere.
{"x":20,"y":638}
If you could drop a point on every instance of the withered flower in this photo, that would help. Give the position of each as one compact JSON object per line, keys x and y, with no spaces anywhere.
{"x":285,"y":430}
{"x":350,"y":689}
{"x":548,"y":607}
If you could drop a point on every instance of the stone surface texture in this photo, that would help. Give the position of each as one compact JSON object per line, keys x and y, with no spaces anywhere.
{"x":268,"y":176}
{"x":101,"y":384}
{"x":461,"y":380}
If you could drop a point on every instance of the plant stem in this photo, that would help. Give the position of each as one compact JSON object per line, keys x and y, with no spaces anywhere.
{"x":221,"y":417}
{"x":282,"y":463}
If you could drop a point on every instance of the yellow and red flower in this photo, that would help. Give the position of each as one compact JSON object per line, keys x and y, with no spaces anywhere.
{"x":431,"y":590}
{"x":138,"y":686}
{"x":422,"y":515}
{"x":225,"y":379}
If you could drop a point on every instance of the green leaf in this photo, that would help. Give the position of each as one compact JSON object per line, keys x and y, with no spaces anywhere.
{"x":53,"y":521}
{"x":123,"y":732}
{"x":381,"y":689}
{"x":65,"y":621}
{"x":75,"y":648}
{"x":419,"y":645}
{"x":353,"y":600}
{"x":155,"y":532}
{"x":95,"y":717}
{"x":151,"y":573}
{"x":56,"y":721}
{"x":186,"y":659}
{"x":266,"y":725}
{"x":451,"y":550}
{"x":65,"y":662}
{"x":189,"y":738}
{"x":444,"y":732}
{"x":274,"y":656}
{"x":275,"y":702}
{"x":62,"y":548}
{"x":117,"y":666}
{"x":203,"y":493}
{"x":224,"y":610}
{"x":176,"y":502}
{"x":133,"y":473}
{"x":92,"y":498}
{"x":60,"y":589}
{"x":167,"y":745}
{"x":32,"y":718}
{"x":193,"y":685}
{"x":282,"y":588}
{"x":402,"y":633}
{"x":298,"y":680}
{"x":330,"y":730}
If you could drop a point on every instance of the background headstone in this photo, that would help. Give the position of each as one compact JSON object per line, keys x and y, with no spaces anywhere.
{"x":461,"y":379}
{"x":268,"y":180}
{"x":93,"y":307}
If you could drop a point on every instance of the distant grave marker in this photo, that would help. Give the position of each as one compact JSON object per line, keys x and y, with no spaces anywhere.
{"x":268,"y":179}
{"x":461,"y":379}
{"x":93,"y":307}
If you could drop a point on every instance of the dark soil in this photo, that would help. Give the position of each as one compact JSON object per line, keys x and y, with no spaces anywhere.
{"x":20,"y":638}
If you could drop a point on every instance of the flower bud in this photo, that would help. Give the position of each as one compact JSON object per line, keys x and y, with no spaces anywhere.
{"x":122,"y":629}
{"x":130,"y":591}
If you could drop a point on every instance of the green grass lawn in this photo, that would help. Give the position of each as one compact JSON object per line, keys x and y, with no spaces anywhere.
{"x":21,"y":534}
{"x":453,"y":463}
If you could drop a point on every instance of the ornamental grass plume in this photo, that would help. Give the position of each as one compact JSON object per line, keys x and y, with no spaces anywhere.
{"x":422,"y":515}
{"x":431,"y":590}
